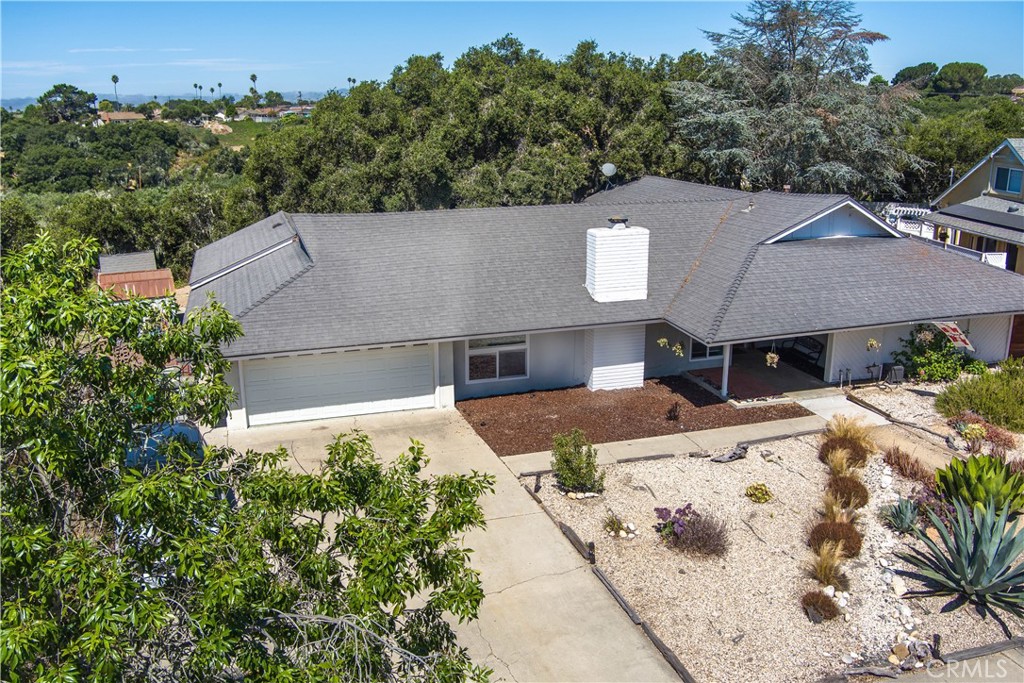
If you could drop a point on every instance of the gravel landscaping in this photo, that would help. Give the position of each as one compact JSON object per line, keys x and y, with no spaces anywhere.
{"x":738,"y":617}
{"x":526,"y":423}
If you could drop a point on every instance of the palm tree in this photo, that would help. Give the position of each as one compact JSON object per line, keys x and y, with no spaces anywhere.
{"x":220,"y":93}
{"x":195,"y":86}
{"x":211,"y":92}
{"x":200,"y":92}
{"x":252,"y":77}
{"x":114,"y":79}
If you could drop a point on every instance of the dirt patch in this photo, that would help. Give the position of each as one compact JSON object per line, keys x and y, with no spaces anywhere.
{"x":526,"y":423}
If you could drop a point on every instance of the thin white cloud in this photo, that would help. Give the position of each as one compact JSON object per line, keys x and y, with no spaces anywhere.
{"x":79,"y":50}
{"x":175,"y":49}
{"x":43,"y":68}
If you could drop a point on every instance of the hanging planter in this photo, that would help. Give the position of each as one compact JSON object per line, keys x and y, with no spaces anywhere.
{"x":771,"y":359}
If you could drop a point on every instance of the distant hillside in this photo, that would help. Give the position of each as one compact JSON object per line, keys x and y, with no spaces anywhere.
{"x":19,"y":103}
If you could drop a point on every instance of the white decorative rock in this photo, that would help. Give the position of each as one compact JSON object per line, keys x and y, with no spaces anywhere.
{"x":572,"y":495}
{"x":883,"y":562}
{"x":846,"y":617}
{"x":623,"y":534}
{"x":846,"y":659}
{"x":887,"y":577}
{"x":904,"y":610}
{"x":631,"y":526}
{"x":899,"y":586}
{"x":843,"y":602}
{"x":829,"y":591}
{"x":631,"y":536}
{"x":886,"y":481}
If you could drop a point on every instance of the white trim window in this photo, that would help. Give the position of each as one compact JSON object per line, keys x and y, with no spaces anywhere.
{"x":700,"y":352}
{"x":1008,"y":179}
{"x":497,"y":358}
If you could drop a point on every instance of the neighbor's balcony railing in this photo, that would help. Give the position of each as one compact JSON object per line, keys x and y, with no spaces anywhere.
{"x":993,"y":258}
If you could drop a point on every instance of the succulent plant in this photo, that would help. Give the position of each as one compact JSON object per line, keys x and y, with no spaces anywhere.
{"x":759,"y":493}
{"x":981,"y":478}
{"x":901,"y":516}
{"x":977,"y":561}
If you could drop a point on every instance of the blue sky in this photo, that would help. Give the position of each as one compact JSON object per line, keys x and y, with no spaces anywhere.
{"x":160,"y":48}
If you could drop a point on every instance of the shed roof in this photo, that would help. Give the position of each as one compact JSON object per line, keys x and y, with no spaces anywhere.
{"x":127,"y":263}
{"x":149,"y":284}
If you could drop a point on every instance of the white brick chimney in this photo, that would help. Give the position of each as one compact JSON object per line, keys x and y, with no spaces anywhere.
{"x":617,"y":262}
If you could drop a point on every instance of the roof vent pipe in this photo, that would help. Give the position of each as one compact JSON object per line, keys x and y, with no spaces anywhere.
{"x":617,"y":260}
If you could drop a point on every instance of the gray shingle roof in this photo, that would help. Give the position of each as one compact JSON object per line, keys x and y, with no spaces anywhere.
{"x":1017,"y":144}
{"x":239,"y":245}
{"x":127,"y":263}
{"x":993,"y":217}
{"x":650,"y":189}
{"x":369,"y":279}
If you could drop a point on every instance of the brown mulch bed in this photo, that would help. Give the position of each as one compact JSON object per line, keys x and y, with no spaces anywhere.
{"x":526,"y":423}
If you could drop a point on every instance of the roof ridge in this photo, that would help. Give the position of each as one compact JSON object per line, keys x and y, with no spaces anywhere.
{"x":730,"y":294}
{"x":277,"y":289}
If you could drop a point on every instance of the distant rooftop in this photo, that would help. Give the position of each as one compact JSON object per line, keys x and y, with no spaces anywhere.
{"x":127,"y":263}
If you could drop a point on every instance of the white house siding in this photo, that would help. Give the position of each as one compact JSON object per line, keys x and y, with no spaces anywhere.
{"x":989,"y":335}
{"x":843,"y":222}
{"x":616,"y":357}
{"x":663,"y":362}
{"x":554,"y":361}
{"x":849,"y":350}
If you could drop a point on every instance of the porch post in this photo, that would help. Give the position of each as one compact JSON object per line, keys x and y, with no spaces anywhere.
{"x":726,"y":362}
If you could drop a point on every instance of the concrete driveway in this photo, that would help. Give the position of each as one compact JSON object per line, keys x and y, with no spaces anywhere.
{"x":545,"y":617}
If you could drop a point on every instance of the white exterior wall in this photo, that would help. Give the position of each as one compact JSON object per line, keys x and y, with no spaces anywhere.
{"x":663,"y":362}
{"x":445,"y":366}
{"x":843,"y":222}
{"x":554,"y":361}
{"x":615,"y":357}
{"x":236,"y":410}
{"x":849,"y":350}
{"x":990,"y":336}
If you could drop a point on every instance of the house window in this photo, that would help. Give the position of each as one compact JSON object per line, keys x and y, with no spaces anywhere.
{"x":1009,"y":179}
{"x":496,"y":358}
{"x":700,"y":352}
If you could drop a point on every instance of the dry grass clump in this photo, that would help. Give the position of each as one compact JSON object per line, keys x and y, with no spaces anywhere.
{"x":833,"y":510}
{"x":838,"y":462}
{"x":849,"y":491}
{"x":1016,"y":466}
{"x":816,"y":602}
{"x":842,"y":533}
{"x":704,"y":535}
{"x":850,"y":434}
{"x":826,"y":566}
{"x":1002,"y":440}
{"x":907,"y":466}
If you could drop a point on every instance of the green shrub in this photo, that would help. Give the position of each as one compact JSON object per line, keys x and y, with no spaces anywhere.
{"x":574,"y":460}
{"x":977,"y":562}
{"x":995,"y":396}
{"x":928,"y":355}
{"x":690,"y":531}
{"x":980,"y":479}
{"x":976,"y":367}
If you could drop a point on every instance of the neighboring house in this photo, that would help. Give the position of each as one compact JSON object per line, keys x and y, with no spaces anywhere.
{"x":984,"y":210}
{"x":264,"y":114}
{"x":106,"y":117}
{"x":361,"y":313}
{"x":134,"y":274}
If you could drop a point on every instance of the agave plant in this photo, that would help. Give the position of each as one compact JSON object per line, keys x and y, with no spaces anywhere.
{"x":981,"y":478}
{"x":901,"y":516}
{"x":977,"y":562}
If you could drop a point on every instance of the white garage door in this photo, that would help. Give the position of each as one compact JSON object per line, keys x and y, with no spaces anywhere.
{"x":339,"y":384}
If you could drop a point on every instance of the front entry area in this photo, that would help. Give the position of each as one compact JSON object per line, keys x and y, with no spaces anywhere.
{"x":338,"y":384}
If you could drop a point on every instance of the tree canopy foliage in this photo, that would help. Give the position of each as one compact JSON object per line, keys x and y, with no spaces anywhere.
{"x":191,"y":566}
{"x":503,"y":126}
{"x":781,"y":105}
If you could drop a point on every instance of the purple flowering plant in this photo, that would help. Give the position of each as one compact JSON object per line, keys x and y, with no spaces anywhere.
{"x":673,"y":524}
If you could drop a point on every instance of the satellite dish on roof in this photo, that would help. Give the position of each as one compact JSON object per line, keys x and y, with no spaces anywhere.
{"x":608,"y":169}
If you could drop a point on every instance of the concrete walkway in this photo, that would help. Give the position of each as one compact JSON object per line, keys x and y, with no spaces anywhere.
{"x":1003,"y":666}
{"x":545,"y":616}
